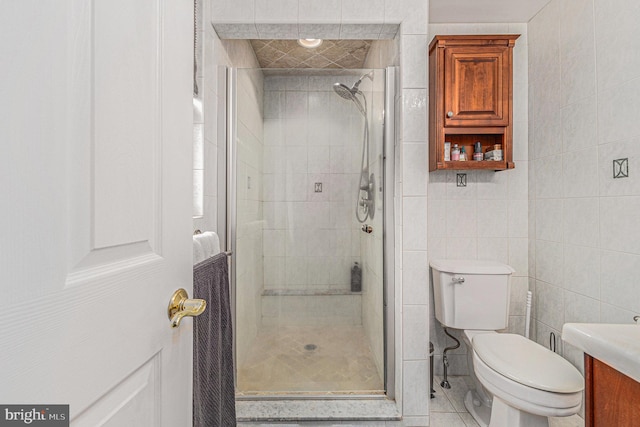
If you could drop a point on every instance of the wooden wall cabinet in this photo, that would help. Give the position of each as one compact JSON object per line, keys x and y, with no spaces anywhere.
{"x":471,"y":98}
{"x":612,"y":399}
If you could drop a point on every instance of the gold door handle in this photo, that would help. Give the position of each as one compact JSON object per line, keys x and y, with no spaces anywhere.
{"x":181,"y":306}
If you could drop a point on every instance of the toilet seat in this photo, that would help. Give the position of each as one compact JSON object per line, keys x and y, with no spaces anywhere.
{"x":527,"y":363}
{"x":526,"y":375}
{"x":525,"y":398}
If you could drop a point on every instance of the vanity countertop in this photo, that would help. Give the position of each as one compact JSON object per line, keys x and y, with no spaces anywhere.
{"x":617,"y":345}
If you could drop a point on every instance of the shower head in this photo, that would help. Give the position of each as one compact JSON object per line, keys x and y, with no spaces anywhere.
{"x":343,"y":91}
{"x":348,"y":93}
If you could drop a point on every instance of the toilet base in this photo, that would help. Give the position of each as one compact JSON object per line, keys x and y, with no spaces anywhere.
{"x":481,"y":413}
{"x":503,"y":415}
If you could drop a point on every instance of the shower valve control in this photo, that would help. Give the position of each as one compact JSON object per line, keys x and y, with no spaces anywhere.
{"x":367,"y":229}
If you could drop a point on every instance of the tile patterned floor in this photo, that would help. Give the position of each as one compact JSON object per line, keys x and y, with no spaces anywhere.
{"x":447,"y":408}
{"x":278,"y":362}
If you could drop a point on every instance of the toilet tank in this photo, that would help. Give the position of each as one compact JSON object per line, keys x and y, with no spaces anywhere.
{"x":471,"y":294}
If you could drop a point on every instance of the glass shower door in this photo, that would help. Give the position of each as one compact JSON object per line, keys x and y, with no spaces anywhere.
{"x":309,"y":288}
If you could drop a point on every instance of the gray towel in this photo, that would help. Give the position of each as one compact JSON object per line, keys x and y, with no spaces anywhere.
{"x":213,"y":388}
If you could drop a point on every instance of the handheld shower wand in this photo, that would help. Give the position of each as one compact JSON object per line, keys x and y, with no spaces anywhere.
{"x":366,"y":185}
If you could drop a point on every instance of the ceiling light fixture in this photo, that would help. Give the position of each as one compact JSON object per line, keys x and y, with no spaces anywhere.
{"x":310,"y":43}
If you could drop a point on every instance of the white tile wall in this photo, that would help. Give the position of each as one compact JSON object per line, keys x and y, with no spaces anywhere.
{"x":415,"y":270}
{"x":518,"y":218}
{"x":580,"y":178}
{"x":579,"y":122}
{"x":363,"y":11}
{"x":614,"y":289}
{"x":314,"y":231}
{"x":616,"y":41}
{"x":321,"y":237}
{"x":549,"y":262}
{"x":615,"y":123}
{"x":276,"y":11}
{"x":487,"y":219}
{"x":582,"y":270}
{"x":311,"y":11}
{"x":414,"y":223}
{"x":549,"y":224}
{"x":579,"y":275}
{"x":412,"y":15}
{"x":249,"y":246}
{"x":548,"y":177}
{"x":414,"y":394}
{"x":414,"y":125}
{"x":414,"y":178}
{"x":580,"y":221}
{"x":415,"y":343}
{"x":331,"y":310}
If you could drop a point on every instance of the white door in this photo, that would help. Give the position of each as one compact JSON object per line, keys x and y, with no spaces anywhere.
{"x":95,"y":227}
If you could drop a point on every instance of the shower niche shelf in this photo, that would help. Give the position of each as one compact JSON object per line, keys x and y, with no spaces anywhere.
{"x":471,"y":98}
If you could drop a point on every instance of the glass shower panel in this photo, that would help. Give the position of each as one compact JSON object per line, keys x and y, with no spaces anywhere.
{"x":309,"y":280}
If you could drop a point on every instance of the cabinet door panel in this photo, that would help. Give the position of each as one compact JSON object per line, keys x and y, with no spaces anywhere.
{"x":476,"y":87}
{"x":611,"y":397}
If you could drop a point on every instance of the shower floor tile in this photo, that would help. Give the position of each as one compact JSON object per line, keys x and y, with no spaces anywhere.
{"x":279,"y":363}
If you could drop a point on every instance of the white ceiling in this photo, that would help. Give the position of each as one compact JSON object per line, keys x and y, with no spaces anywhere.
{"x":479,"y":11}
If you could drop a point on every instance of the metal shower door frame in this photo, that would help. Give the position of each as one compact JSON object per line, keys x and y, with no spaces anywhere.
{"x":388,"y":232}
{"x":227,"y":220}
{"x":231,"y":197}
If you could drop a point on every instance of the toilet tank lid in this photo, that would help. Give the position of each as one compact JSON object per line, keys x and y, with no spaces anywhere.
{"x":471,"y":266}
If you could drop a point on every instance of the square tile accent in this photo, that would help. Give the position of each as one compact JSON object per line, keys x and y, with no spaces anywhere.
{"x":461,"y":179}
{"x":621,"y":168}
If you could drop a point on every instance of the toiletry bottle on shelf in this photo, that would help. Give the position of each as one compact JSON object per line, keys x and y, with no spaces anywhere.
{"x":477,"y":152}
{"x":447,"y":151}
{"x":455,"y":152}
{"x":463,"y":154}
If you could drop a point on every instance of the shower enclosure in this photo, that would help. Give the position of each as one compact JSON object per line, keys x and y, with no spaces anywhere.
{"x":307,"y":223}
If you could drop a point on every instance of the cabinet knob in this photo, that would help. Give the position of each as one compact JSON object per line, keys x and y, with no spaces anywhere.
{"x":450,"y":114}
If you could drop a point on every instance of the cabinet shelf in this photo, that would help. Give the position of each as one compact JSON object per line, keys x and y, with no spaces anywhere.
{"x":495,"y":165}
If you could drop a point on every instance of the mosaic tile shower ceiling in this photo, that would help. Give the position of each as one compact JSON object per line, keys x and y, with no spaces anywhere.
{"x":334,"y":54}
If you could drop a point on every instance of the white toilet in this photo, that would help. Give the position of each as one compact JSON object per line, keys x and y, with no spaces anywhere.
{"x":519,"y":383}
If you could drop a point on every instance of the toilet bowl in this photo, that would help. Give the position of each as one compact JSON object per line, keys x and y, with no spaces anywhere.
{"x":527,"y":382}
{"x":518,"y":383}
{"x":477,"y":400}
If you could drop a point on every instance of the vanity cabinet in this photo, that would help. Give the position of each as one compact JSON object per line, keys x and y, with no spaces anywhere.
{"x":471,"y":98}
{"x":611,"y":398}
